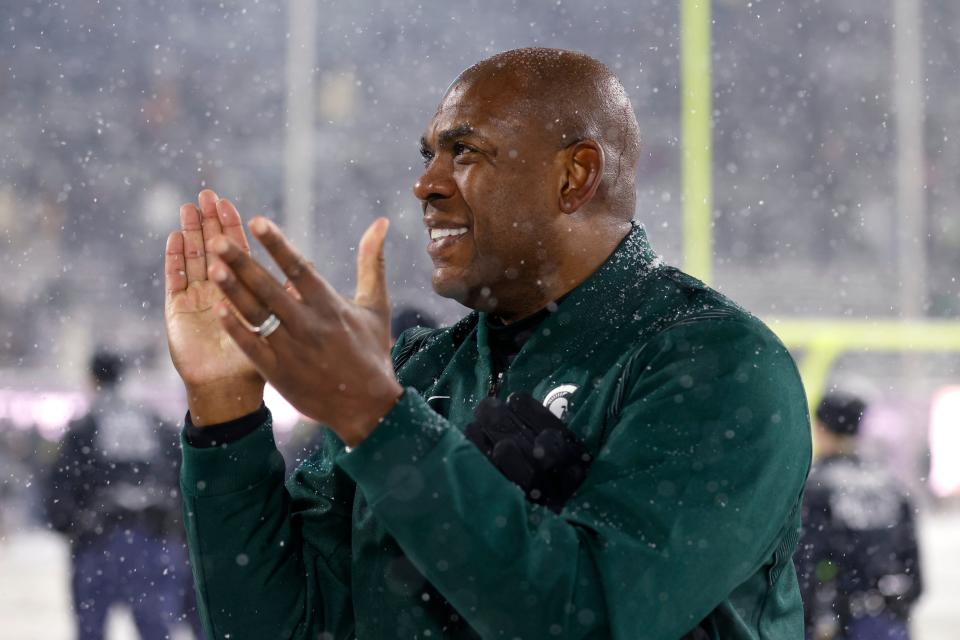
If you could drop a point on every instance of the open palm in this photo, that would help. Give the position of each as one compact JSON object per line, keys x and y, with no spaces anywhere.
{"x":202,"y":352}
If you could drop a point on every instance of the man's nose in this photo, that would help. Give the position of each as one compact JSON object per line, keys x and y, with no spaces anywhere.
{"x":434,"y":184}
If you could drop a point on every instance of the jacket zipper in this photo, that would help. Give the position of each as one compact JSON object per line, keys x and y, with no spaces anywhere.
{"x":493,"y":388}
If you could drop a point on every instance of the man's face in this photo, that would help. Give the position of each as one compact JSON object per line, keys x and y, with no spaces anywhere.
{"x":489,"y":194}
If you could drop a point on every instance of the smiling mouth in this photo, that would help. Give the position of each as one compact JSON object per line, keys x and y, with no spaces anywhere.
{"x":437,"y":234}
{"x":443,"y":239}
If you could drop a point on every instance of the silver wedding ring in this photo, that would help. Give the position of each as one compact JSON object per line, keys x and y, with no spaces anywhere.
{"x":268,"y":326}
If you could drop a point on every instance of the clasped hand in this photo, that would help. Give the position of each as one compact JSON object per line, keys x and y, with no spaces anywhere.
{"x":330,"y":356}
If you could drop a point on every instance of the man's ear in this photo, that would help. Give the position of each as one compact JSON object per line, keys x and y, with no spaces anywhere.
{"x":583,"y":172}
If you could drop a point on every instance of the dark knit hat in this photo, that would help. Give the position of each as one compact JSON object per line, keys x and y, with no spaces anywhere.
{"x":409,"y":317}
{"x":841,"y":413}
{"x":106,"y":367}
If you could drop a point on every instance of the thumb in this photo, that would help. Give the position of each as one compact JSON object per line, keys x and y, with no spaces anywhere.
{"x":371,"y":268}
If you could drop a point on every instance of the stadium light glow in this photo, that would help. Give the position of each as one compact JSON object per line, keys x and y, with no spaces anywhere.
{"x":945,"y":442}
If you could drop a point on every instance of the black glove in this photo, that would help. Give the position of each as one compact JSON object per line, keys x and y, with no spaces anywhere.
{"x":531,"y":447}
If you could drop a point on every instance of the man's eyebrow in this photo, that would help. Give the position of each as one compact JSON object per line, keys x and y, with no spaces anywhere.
{"x":447,"y":136}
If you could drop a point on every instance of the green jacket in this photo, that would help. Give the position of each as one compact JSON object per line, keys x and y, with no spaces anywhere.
{"x":697,"y":422}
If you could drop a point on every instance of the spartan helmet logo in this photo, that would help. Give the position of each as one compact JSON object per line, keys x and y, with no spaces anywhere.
{"x":558,"y":400}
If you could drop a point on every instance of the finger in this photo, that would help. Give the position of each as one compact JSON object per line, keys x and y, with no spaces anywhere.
{"x":246,"y":305}
{"x":231,"y":223}
{"x":194,"y":254}
{"x":308,"y":283}
{"x":291,"y":289}
{"x":475,"y":434}
{"x":209,"y":221}
{"x":371,"y":268}
{"x":257,"y":349}
{"x":235,"y":268}
{"x":174,"y":269}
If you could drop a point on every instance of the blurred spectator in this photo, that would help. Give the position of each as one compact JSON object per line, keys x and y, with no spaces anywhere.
{"x":113,"y":491}
{"x":408,"y":317}
{"x":858,"y":560}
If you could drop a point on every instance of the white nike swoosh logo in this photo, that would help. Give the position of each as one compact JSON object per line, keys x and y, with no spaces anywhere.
{"x":432,"y":398}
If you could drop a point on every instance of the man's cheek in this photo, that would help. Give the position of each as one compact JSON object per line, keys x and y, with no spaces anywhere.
{"x":488,"y":268}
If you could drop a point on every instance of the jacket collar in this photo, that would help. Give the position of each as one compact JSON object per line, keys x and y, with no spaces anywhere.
{"x":585,"y":315}
{"x":606,"y":288}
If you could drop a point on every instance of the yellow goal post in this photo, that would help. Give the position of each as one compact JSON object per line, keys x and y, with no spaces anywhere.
{"x":821,"y":340}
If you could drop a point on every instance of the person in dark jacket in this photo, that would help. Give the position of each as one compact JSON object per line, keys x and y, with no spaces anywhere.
{"x":858,"y":559}
{"x":604,"y":447}
{"x":113,"y":492}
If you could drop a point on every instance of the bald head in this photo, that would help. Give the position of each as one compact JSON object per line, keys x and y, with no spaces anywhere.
{"x":566,"y":97}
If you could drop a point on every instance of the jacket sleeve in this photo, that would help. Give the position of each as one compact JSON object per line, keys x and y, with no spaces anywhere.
{"x":908,"y":549}
{"x":257,"y":575}
{"x":689,"y":496}
{"x":813,"y":548}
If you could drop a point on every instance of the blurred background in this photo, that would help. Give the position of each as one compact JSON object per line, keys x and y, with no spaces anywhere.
{"x":824,"y":199}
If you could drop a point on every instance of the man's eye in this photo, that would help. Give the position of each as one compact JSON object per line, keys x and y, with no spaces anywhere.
{"x":427,"y":156}
{"x":460,"y":148}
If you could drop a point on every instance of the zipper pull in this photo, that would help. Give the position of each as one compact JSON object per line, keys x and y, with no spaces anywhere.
{"x":494,"y":386}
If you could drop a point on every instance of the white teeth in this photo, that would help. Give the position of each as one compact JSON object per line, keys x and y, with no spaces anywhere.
{"x":436,"y":234}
